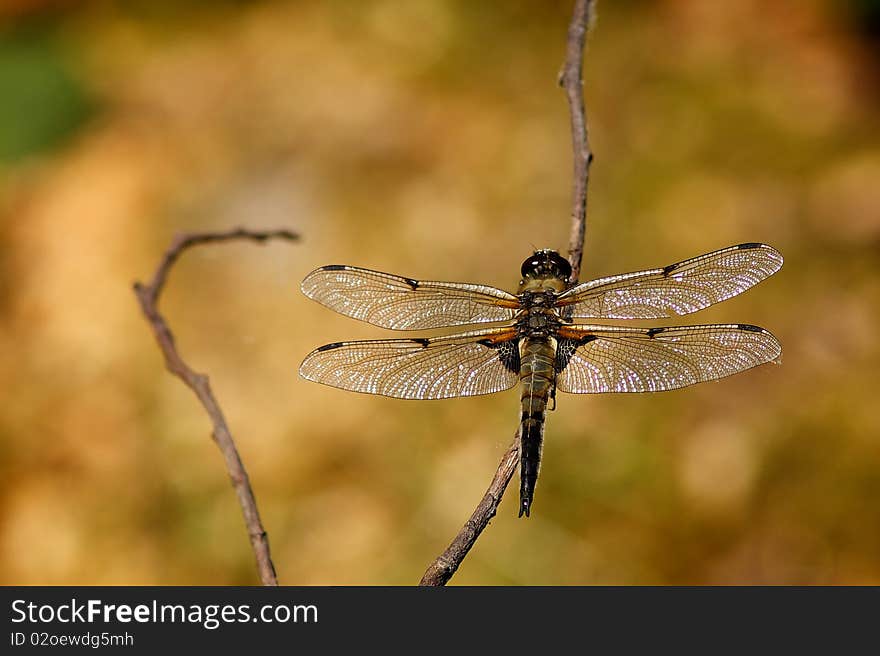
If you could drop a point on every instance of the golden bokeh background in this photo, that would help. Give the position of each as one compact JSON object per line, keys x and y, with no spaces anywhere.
{"x":428,"y":138}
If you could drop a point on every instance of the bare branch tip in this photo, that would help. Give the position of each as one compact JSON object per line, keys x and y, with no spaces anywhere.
{"x":199,"y":383}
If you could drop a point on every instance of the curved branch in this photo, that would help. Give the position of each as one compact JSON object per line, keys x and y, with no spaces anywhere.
{"x":445,"y":565}
{"x":148,"y":296}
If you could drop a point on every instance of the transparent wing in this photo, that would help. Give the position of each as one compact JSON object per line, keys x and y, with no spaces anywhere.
{"x":593,"y":359}
{"x":479,"y":362}
{"x":676,"y":289}
{"x":402,"y":303}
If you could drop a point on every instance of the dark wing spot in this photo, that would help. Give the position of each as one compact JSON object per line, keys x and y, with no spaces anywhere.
{"x":747,"y":246}
{"x":654,"y":331}
{"x":565,"y":349}
{"x":509,"y":355}
{"x":334,"y":267}
{"x":328,"y":347}
{"x":669,"y":269}
{"x":508,"y":352}
{"x":424,"y":341}
{"x":412,"y":283}
{"x":750,"y":328}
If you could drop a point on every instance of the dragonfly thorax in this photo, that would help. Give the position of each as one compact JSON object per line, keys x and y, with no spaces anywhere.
{"x":538,"y":322}
{"x":537,"y":294}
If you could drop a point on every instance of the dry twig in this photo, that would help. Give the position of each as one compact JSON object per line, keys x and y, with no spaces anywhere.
{"x":148,"y":295}
{"x":571,"y":79}
{"x":445,"y":565}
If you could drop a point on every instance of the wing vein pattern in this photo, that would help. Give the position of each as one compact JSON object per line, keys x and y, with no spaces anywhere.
{"x":479,"y":362}
{"x":674,"y":290}
{"x":400,"y":303}
{"x":597,"y":359}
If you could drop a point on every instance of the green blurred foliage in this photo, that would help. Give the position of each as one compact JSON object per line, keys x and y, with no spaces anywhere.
{"x":429,"y":138}
{"x":42,"y":102}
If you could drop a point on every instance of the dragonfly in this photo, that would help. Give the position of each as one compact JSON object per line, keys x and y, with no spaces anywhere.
{"x":535,"y":338}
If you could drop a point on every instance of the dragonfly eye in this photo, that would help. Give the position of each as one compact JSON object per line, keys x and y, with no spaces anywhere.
{"x":531,"y":267}
{"x":563,"y":268}
{"x":546,"y":264}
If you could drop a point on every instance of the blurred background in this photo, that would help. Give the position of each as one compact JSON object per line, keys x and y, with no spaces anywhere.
{"x":428,"y":138}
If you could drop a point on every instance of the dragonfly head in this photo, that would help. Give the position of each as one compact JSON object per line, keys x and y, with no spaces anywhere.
{"x":546,"y":264}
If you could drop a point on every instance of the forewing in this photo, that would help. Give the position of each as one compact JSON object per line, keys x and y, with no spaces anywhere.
{"x":594,"y":359}
{"x":401,"y":303}
{"x":472,"y":363}
{"x":676,"y":289}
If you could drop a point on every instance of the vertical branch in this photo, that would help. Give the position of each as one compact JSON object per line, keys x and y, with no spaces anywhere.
{"x":571,"y":79}
{"x":148,"y":296}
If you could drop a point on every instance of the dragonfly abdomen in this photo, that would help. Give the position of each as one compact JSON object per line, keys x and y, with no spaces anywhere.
{"x":538,"y":378}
